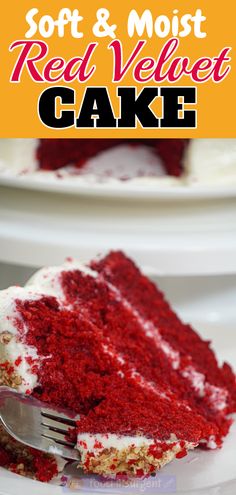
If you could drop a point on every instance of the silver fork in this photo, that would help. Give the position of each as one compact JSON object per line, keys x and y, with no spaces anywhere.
{"x":33,"y":423}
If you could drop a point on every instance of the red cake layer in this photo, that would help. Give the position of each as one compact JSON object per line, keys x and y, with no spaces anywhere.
{"x":122,"y":308}
{"x":126,"y":331}
{"x":144,"y":295}
{"x":53,"y":154}
{"x":149,"y":302}
{"x":78,"y":374}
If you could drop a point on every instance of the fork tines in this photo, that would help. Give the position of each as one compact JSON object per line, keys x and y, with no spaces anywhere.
{"x":57,"y":427}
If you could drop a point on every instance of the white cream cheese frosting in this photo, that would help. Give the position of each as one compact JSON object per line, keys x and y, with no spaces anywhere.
{"x":99,"y":441}
{"x":12,"y":349}
{"x":19,"y":155}
{"x":210,"y":161}
{"x":48,"y":278}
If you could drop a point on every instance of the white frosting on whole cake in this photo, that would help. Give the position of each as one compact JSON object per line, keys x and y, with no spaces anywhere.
{"x":18,"y":155}
{"x":210,"y":161}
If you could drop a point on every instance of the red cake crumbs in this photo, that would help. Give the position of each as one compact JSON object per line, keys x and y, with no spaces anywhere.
{"x":155,"y":451}
{"x":44,"y":468}
{"x":53,"y":154}
{"x":87,"y":462}
{"x":18,"y":361}
{"x":97,"y":445}
{"x":7,"y":366}
{"x":181,"y":454}
{"x":24,"y":460}
{"x":140,"y":473}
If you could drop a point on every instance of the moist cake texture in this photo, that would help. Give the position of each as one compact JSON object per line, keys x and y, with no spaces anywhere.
{"x":103,"y":342}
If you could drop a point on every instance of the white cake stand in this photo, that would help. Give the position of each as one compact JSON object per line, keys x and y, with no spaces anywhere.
{"x":189,"y":237}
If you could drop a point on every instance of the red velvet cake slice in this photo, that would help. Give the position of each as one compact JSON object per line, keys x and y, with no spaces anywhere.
{"x":158,"y":345}
{"x":103,"y":342}
{"x":211,"y":388}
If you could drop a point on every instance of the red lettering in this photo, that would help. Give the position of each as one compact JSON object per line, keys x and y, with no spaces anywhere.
{"x":217,"y":74}
{"x":202,"y":64}
{"x":145,"y":64}
{"x":167,"y":51}
{"x":54,"y":64}
{"x":29,"y":62}
{"x":172,"y":73}
{"x":81,"y":71}
{"x":120,"y":70}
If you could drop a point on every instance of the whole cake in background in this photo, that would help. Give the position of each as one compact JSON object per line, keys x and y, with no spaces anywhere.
{"x":56,"y":153}
{"x":102,"y":341}
{"x":168,"y":162}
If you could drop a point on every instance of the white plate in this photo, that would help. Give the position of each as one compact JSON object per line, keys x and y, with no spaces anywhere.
{"x":209,"y":304}
{"x":148,"y":189}
{"x":176,"y":238}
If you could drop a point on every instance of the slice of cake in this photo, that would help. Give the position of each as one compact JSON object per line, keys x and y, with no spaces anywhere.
{"x":103,"y":342}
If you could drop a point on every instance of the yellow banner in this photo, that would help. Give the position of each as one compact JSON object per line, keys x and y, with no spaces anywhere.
{"x":117,"y":69}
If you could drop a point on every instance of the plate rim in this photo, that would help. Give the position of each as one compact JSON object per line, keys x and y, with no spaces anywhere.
{"x":115,"y":189}
{"x":210,"y":490}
